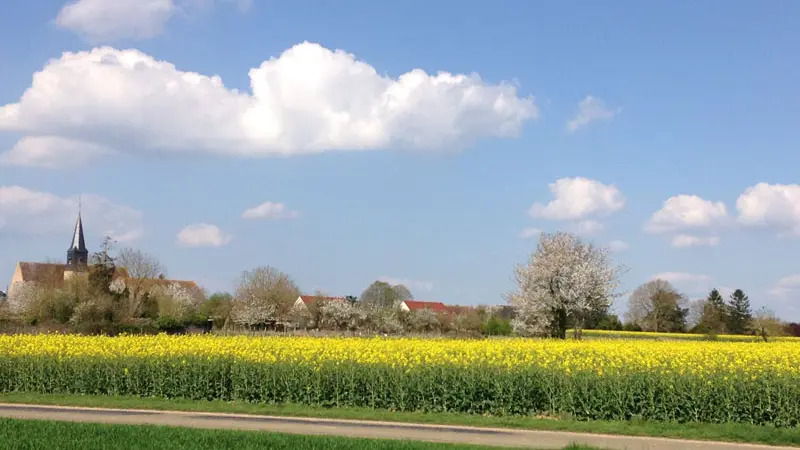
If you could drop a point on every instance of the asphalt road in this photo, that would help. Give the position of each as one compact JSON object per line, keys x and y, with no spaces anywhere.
{"x":363,"y":429}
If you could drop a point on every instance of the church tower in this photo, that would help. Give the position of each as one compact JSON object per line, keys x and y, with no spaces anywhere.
{"x":78,"y":255}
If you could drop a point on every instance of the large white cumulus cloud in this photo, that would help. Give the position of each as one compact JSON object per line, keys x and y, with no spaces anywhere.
{"x":309,"y":99}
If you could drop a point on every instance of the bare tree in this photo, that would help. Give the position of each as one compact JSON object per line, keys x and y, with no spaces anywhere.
{"x":263,"y":294}
{"x":766,"y":324}
{"x":657,"y":306}
{"x":142,"y":269}
{"x":564,"y":279}
{"x":695,"y":314}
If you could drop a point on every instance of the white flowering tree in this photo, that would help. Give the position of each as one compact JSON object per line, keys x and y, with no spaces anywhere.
{"x":341,"y":314}
{"x":117,"y":286}
{"x":423,"y":320}
{"x":565,"y":280}
{"x":263,"y":295}
{"x":22,"y":295}
{"x":174,"y":300}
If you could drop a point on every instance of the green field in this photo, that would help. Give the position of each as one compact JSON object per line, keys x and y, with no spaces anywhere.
{"x":729,"y":432}
{"x":36,"y":435}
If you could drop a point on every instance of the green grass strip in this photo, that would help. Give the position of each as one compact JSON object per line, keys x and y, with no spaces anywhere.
{"x":39,"y":434}
{"x":733,"y":432}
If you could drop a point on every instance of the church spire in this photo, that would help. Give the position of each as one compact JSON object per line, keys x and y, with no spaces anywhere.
{"x":78,"y":255}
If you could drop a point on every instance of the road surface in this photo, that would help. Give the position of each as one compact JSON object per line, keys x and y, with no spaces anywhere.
{"x":363,"y":429}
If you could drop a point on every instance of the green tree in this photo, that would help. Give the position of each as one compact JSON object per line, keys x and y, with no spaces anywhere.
{"x":609,"y":322}
{"x":667,"y":312}
{"x":714,"y":318}
{"x":382,"y":295}
{"x":496,"y":326}
{"x":739,"y":313}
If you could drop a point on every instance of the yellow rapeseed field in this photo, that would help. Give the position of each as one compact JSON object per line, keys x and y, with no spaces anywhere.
{"x":611,"y":379}
{"x":606,"y":356}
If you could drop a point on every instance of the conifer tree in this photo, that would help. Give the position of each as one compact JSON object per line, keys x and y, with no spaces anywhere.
{"x":714,"y":317}
{"x":739,"y":313}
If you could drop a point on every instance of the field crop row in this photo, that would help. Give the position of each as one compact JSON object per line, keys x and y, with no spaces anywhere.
{"x":603,"y":379}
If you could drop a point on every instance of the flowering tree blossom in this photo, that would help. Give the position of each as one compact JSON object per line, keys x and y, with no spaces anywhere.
{"x":117,"y":286}
{"x":423,"y":320}
{"x":174,"y":300}
{"x":21,"y":295}
{"x":564,"y":279}
{"x":341,"y":314}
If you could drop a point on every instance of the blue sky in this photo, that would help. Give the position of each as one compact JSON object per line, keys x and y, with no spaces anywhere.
{"x":686,"y":146}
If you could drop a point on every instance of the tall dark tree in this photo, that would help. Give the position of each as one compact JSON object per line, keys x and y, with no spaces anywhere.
{"x":739,"y":312}
{"x":667,"y":312}
{"x":101,"y":271}
{"x":716,"y":300}
{"x":715,"y":314}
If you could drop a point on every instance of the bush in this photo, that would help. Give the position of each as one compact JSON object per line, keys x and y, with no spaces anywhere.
{"x":496,"y":327}
{"x":170,"y":325}
{"x":631,"y":327}
{"x":609,"y":322}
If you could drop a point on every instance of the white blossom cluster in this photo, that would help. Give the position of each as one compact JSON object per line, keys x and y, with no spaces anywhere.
{"x":341,"y":314}
{"x":252,"y":310}
{"x":117,"y":286}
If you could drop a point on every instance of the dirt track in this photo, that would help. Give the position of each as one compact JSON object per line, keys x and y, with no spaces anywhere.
{"x":363,"y":429}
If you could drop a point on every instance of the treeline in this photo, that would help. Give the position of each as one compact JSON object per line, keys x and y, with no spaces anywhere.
{"x":101,"y":300}
{"x":266,"y":298}
{"x":108,"y":300}
{"x":566,"y":285}
{"x":658,"y":306}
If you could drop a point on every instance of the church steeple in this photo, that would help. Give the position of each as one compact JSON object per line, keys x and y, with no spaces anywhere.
{"x":78,"y":255}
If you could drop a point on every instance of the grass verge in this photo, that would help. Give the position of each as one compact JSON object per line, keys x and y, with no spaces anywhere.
{"x":732,"y":432}
{"x":36,"y":434}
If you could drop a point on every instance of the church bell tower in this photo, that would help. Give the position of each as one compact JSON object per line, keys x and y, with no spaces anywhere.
{"x":78,"y":255}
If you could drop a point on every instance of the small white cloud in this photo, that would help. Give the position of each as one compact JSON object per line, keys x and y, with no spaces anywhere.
{"x":110,"y":20}
{"x":27,"y":212}
{"x":590,"y":109}
{"x":617,"y":246}
{"x":682,"y":277}
{"x":52,"y":152}
{"x":587,"y":227}
{"x":692,"y":284}
{"x":577,"y":198}
{"x":786,"y":286}
{"x":202,"y":235}
{"x":530,"y":232}
{"x":107,"y":20}
{"x":683,"y":212}
{"x":410,"y":284}
{"x":270,"y":210}
{"x":686,"y":240}
{"x":307,"y":100}
{"x":774,"y":206}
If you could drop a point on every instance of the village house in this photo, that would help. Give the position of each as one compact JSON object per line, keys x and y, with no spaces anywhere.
{"x":305,"y":302}
{"x":53,"y":275}
{"x":437,"y":307}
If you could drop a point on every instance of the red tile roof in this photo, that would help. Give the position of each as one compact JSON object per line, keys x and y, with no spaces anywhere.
{"x":437,"y":307}
{"x":53,"y":274}
{"x":455,"y":309}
